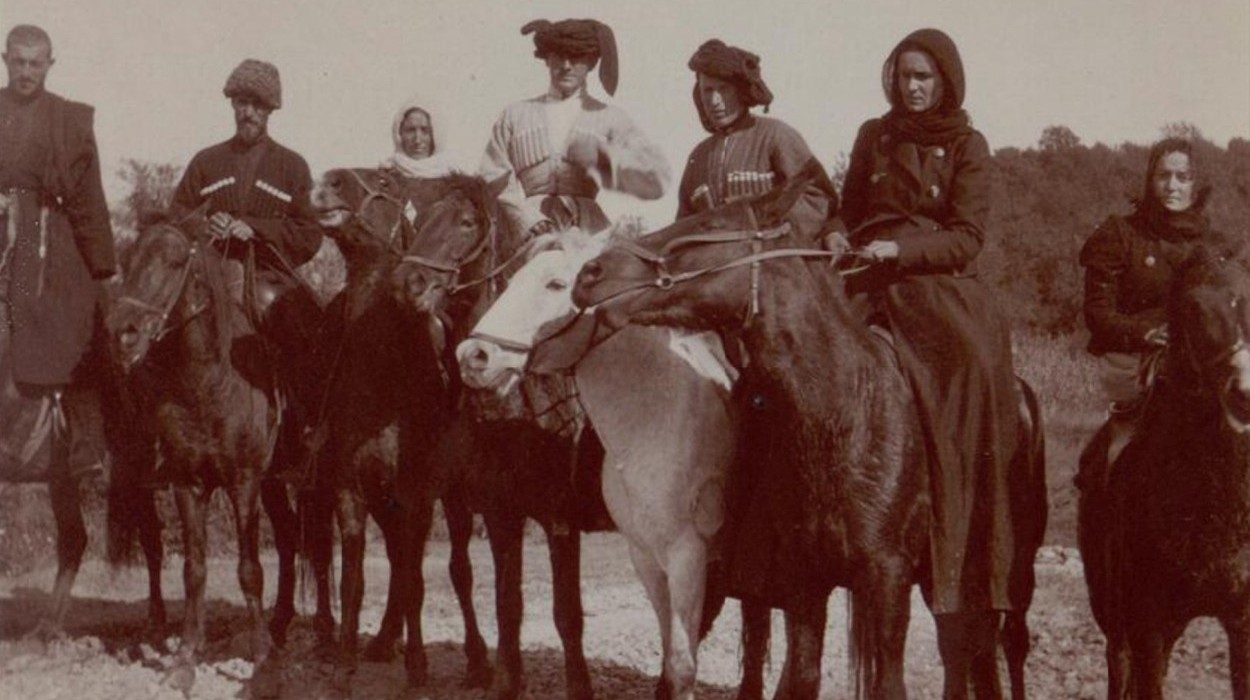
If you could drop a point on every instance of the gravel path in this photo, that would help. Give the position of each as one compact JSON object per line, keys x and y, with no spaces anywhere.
{"x":103,"y":655}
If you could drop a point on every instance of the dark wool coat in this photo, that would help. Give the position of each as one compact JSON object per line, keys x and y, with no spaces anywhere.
{"x":48,"y":162}
{"x":752,"y":156}
{"x":265,"y":185}
{"x":952,"y":341}
{"x":1130,"y":262}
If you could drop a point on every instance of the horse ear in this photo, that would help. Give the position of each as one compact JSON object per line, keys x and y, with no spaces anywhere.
{"x":497,"y":186}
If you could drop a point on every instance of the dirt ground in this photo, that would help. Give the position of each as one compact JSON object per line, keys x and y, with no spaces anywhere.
{"x":103,"y":655}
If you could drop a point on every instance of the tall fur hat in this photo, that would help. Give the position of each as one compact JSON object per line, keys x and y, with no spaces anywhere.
{"x":256,"y":78}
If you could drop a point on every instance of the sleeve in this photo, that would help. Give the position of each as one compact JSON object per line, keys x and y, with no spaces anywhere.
{"x":496,"y":163}
{"x":685,"y":191}
{"x":87,"y":209}
{"x":295,"y":234}
{"x":636,"y":165}
{"x":788,"y":157}
{"x":855,"y":186}
{"x":1105,"y":257}
{"x":187,"y":194}
{"x":956,"y":241}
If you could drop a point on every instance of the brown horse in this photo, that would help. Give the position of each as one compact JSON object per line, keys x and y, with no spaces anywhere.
{"x":1167,"y":538}
{"x":505,"y":465}
{"x":213,"y":411}
{"x":384,"y":402}
{"x":851,"y":471}
{"x":131,"y":512}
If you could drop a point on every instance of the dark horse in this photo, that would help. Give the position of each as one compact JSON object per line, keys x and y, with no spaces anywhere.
{"x":829,"y":434}
{"x":504,"y":465}
{"x":131,"y":513}
{"x":213,"y":411}
{"x":384,"y":403}
{"x":1167,"y":538}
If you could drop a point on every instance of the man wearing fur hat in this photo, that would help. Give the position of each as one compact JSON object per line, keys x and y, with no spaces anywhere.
{"x":746,"y":155}
{"x":56,"y":244}
{"x":560,"y":148}
{"x":259,"y":209}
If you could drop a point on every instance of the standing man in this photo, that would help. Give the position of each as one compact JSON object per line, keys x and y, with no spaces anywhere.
{"x":560,"y":148}
{"x":56,"y":243}
{"x":257,"y":194}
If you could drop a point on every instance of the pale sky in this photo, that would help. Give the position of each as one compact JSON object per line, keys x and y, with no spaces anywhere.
{"x":1112,"y":71}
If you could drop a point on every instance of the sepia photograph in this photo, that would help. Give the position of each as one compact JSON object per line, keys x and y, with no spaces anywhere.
{"x":529,"y":349}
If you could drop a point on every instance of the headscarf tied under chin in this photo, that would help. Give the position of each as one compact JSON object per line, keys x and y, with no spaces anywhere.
{"x":943,"y":122}
{"x":578,"y":38}
{"x":738,"y":66}
{"x":1174,"y":225}
{"x":433,"y":166}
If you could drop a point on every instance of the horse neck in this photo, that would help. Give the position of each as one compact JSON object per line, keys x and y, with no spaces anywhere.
{"x":1185,"y":411}
{"x":805,"y":335}
{"x":204,"y":341}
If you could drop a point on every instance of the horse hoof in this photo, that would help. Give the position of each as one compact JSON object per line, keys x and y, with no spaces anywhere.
{"x":478,"y":675}
{"x":44,"y":633}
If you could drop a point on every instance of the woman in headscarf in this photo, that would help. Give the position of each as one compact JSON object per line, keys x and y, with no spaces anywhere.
{"x":1130,"y":262}
{"x":916,"y":201}
{"x":418,"y":154}
{"x":745,"y":155}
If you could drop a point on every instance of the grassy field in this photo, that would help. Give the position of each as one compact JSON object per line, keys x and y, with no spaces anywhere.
{"x":1057,"y":367}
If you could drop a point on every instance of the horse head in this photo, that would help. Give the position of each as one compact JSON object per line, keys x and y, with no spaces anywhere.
{"x":173,"y":276}
{"x":650,"y":281}
{"x":459,"y":251}
{"x":539,"y":295}
{"x":363,"y":210}
{"x":1208,"y":321}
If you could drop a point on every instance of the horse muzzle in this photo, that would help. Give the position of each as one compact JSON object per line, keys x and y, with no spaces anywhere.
{"x":486,"y":365}
{"x":1235,"y":397}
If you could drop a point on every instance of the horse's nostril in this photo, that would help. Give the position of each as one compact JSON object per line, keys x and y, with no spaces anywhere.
{"x":129,"y":338}
{"x":477,"y":358}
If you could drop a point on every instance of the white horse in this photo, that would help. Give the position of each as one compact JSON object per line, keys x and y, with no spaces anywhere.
{"x":659,"y":401}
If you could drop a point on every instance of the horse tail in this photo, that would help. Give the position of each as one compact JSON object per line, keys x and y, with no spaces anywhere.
{"x":131,"y":508}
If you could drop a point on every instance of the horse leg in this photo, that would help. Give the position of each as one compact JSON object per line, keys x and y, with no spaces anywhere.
{"x":153,"y":555}
{"x":411,"y":556}
{"x":1237,"y":627}
{"x":317,"y":520}
{"x":244,"y":498}
{"x":756,"y":631}
{"x":506,"y":545}
{"x":1015,"y":640}
{"x":1150,"y":651}
{"x":1119,"y":667}
{"x":880,"y":617}
{"x":460,"y":530}
{"x":566,"y":554}
{"x":983,"y":656}
{"x":805,"y":642}
{"x":71,"y":542}
{"x":653,"y":579}
{"x":352,"y":520}
{"x":192,"y":501}
{"x":687,"y":580}
{"x":382,"y":647}
{"x":286,"y":539}
{"x":952,"y":632}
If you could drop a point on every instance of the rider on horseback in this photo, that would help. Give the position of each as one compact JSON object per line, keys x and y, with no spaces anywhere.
{"x":1130,"y":262}
{"x":560,"y":148}
{"x":260,"y":213}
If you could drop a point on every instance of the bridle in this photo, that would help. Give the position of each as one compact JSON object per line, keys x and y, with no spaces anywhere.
{"x":163,"y":312}
{"x":456,"y":267}
{"x":372,"y":193}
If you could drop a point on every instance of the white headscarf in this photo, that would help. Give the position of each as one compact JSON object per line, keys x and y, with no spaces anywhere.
{"x":436,"y":165}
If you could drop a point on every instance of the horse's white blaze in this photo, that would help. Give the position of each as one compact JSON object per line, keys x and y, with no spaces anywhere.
{"x":702,"y":350}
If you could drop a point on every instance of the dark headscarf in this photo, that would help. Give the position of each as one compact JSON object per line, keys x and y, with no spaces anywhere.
{"x":944,"y":121}
{"x":738,"y":66}
{"x":1165,"y":222}
{"x":580,"y":38}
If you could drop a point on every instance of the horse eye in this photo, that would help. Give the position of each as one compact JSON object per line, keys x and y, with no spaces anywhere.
{"x":557,"y":284}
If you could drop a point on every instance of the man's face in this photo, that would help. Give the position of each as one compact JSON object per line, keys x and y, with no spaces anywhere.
{"x":568,"y":73}
{"x":251,"y":117}
{"x":28,"y":66}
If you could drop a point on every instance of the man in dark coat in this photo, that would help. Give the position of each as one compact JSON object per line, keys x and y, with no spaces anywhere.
{"x":57,"y":243}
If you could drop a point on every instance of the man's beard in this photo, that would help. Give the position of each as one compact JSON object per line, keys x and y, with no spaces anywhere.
{"x":250,"y":131}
